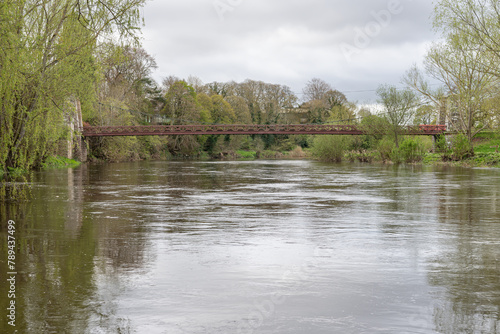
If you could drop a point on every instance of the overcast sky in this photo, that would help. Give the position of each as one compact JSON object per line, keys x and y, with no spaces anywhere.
{"x":354,"y":45}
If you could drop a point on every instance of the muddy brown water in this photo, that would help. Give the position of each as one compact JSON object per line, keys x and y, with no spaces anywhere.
{"x":257,"y":247}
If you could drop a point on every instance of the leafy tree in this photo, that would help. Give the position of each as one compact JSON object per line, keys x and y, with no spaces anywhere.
{"x":466,"y":89}
{"x":425,"y":114}
{"x":168,"y":82}
{"x":196,"y":83}
{"x":241,"y":110}
{"x":46,"y":60}
{"x":316,"y":89}
{"x":221,"y":112}
{"x":181,"y":104}
{"x":182,"y":107}
{"x":253,"y":93}
{"x":323,"y":103}
{"x":219,"y":88}
{"x":375,"y":125}
{"x":333,"y":98}
{"x":126,"y":72}
{"x":206,"y":105}
{"x":316,"y":112}
{"x":478,"y":21}
{"x":344,"y":113}
{"x":399,"y":107}
{"x":265,"y":101}
{"x":330,"y":148}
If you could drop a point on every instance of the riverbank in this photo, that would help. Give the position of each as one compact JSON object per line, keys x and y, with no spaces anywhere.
{"x":53,"y":162}
{"x":481,"y":159}
{"x":321,"y":148}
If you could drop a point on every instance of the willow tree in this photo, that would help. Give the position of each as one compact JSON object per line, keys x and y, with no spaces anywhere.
{"x":46,"y":60}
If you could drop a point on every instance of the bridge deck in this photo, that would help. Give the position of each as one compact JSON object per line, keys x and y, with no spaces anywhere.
{"x":234,"y":129}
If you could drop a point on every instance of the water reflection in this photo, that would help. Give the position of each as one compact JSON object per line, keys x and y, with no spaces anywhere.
{"x":468,"y":264}
{"x":258,"y":247}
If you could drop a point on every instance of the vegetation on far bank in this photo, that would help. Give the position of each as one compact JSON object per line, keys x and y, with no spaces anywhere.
{"x":62,"y":68}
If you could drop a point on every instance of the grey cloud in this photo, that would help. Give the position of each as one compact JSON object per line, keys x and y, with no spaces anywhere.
{"x":285,"y":42}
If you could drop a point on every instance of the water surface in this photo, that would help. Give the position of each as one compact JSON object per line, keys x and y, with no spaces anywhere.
{"x":257,"y":247}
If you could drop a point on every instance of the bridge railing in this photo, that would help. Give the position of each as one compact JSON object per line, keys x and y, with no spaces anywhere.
{"x":240,"y":129}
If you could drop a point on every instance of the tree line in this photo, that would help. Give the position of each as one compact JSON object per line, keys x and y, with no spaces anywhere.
{"x":54,"y":55}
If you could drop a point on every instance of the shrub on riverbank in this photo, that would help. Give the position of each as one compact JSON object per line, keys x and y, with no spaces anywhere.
{"x":461,"y":148}
{"x":410,"y":150}
{"x":297,"y":152}
{"x":362,"y":156}
{"x":116,"y":149}
{"x":246,"y":154}
{"x":330,"y":148}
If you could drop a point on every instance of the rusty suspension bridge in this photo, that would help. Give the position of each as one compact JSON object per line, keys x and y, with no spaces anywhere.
{"x":234,"y":129}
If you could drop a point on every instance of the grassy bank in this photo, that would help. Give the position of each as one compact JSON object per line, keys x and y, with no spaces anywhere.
{"x":455,"y":151}
{"x":59,"y":162}
{"x":478,"y":160}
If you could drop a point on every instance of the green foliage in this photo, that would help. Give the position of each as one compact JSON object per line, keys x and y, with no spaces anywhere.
{"x":47,"y":60}
{"x":410,"y":150}
{"x":297,"y":152}
{"x":330,"y":148}
{"x":441,"y":144}
{"x":385,"y":148}
{"x":303,"y":141}
{"x":488,"y":135}
{"x":399,"y":108}
{"x":487,"y":159}
{"x":487,"y":142}
{"x":221,"y":111}
{"x":14,"y":172}
{"x":363,"y":143}
{"x":181,"y":104}
{"x":375,"y":126}
{"x":121,"y":148}
{"x":286,"y":144}
{"x":59,"y":162}
{"x":461,"y":147}
{"x":153,"y":147}
{"x":362,"y":156}
{"x":247,"y":154}
{"x":432,"y":158}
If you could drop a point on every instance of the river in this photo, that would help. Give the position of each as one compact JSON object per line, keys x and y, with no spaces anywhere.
{"x":256,"y":247}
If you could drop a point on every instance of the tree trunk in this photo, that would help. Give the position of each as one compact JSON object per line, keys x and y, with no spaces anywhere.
{"x":81,"y":145}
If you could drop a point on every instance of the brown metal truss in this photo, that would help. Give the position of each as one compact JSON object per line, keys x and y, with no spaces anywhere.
{"x":233,"y":129}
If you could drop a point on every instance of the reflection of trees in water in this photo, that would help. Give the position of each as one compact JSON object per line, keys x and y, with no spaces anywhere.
{"x":54,"y":268}
{"x":15,"y":188}
{"x":118,"y":224}
{"x":468,"y":266}
{"x":58,"y":244}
